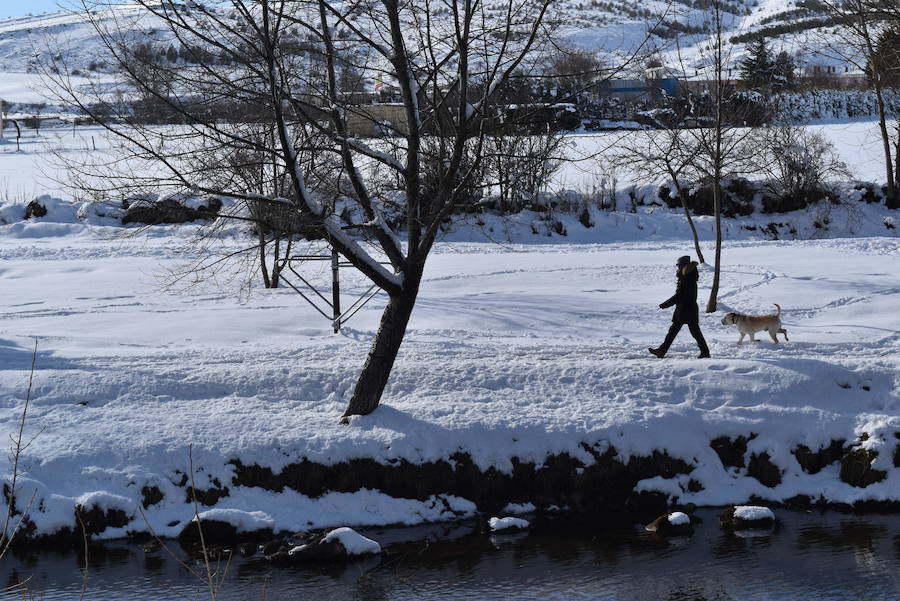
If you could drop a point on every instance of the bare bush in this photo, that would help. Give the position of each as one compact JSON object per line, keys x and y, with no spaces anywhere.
{"x":798,"y":164}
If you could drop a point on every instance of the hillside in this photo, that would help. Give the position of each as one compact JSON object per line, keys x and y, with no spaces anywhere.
{"x":606,"y":26}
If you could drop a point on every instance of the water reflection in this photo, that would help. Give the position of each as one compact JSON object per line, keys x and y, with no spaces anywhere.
{"x":808,"y":556}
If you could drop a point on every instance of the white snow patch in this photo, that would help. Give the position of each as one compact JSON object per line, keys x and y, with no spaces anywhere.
{"x":354,"y":542}
{"x":519,"y":508}
{"x":105,"y":501}
{"x":244,"y":521}
{"x":498,"y":524}
{"x":753,"y":513}
{"x":677,"y":518}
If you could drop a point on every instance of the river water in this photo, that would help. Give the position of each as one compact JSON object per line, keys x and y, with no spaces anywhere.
{"x":808,"y":556}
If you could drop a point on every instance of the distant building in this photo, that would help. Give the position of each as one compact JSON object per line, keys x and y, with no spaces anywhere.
{"x":840,"y":73}
{"x":639,"y":89}
{"x":376,"y":120}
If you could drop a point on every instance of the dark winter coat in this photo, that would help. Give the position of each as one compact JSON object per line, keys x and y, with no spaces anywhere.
{"x":685,"y":299}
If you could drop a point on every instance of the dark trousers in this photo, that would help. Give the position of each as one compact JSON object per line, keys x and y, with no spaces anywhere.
{"x":695,"y":332}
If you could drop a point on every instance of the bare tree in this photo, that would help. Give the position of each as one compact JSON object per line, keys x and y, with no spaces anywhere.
{"x":705,"y":136}
{"x":861,"y":23}
{"x":798,"y":164}
{"x":280,"y":63}
{"x":717,"y":142}
{"x":519,"y":167}
{"x":17,"y":511}
{"x":665,"y":153}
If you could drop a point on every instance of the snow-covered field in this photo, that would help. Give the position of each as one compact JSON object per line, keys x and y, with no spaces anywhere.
{"x":33,"y":171}
{"x":513,"y":351}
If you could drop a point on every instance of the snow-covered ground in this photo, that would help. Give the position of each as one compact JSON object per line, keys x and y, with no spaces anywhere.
{"x":33,"y":170}
{"x":856,"y":142}
{"x":513,"y":351}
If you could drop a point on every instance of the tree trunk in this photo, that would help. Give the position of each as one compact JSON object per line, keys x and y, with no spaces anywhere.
{"x":717,"y":162}
{"x":717,"y":204}
{"x":380,"y":362}
{"x":262,"y":257}
{"x":276,"y":263}
{"x":886,"y":141}
{"x":894,"y":203}
{"x":687,"y":214}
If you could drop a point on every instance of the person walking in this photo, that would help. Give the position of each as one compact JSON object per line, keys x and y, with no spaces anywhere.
{"x":686,"y":312}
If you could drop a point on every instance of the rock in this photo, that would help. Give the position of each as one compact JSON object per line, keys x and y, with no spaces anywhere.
{"x":857,"y":470}
{"x":35,"y":209}
{"x":339,"y":544}
{"x":675,"y":523}
{"x":507,"y":523}
{"x":247,"y":549}
{"x":173,"y":209}
{"x":151,"y":495}
{"x":272,"y":547}
{"x":747,"y":516}
{"x":227,"y":527}
{"x":215,"y":532}
{"x":762,"y":468}
{"x":96,"y":519}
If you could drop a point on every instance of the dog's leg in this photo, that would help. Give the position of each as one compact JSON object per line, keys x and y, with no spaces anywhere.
{"x":783,"y":331}
{"x":774,"y":336}
{"x":741,"y":339}
{"x":752,"y":336}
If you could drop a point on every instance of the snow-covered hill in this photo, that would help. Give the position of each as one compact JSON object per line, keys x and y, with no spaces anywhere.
{"x":602,"y":25}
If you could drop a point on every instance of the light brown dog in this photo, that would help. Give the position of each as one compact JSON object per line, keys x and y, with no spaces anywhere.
{"x":751,"y":324}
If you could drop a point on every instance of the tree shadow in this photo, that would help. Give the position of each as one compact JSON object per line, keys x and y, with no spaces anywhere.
{"x":19,"y":357}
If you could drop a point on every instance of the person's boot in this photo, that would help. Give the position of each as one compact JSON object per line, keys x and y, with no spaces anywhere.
{"x":657,"y":352}
{"x":703,"y":355}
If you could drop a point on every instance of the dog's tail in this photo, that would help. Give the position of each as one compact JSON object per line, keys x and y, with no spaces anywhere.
{"x":779,"y":309}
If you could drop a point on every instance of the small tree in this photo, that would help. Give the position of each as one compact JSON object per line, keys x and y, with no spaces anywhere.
{"x":719,"y":146}
{"x":784,"y":76}
{"x":517,"y":167}
{"x":861,"y":24}
{"x":575,"y":76}
{"x":758,"y":67}
{"x":665,"y":153}
{"x":798,"y":164}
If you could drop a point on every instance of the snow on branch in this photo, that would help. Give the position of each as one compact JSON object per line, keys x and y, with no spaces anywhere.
{"x":348,"y":245}
{"x":382,"y":157}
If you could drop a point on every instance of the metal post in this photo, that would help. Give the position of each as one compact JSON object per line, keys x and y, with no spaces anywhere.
{"x":335,"y":291}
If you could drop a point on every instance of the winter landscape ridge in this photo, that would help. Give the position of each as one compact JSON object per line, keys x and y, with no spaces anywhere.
{"x":27,"y":42}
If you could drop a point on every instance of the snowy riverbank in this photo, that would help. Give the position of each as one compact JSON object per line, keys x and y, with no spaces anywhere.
{"x":515,"y":353}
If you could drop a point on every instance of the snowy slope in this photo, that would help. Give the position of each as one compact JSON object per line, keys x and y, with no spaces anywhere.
{"x":616,"y":26}
{"x":25,"y":42}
